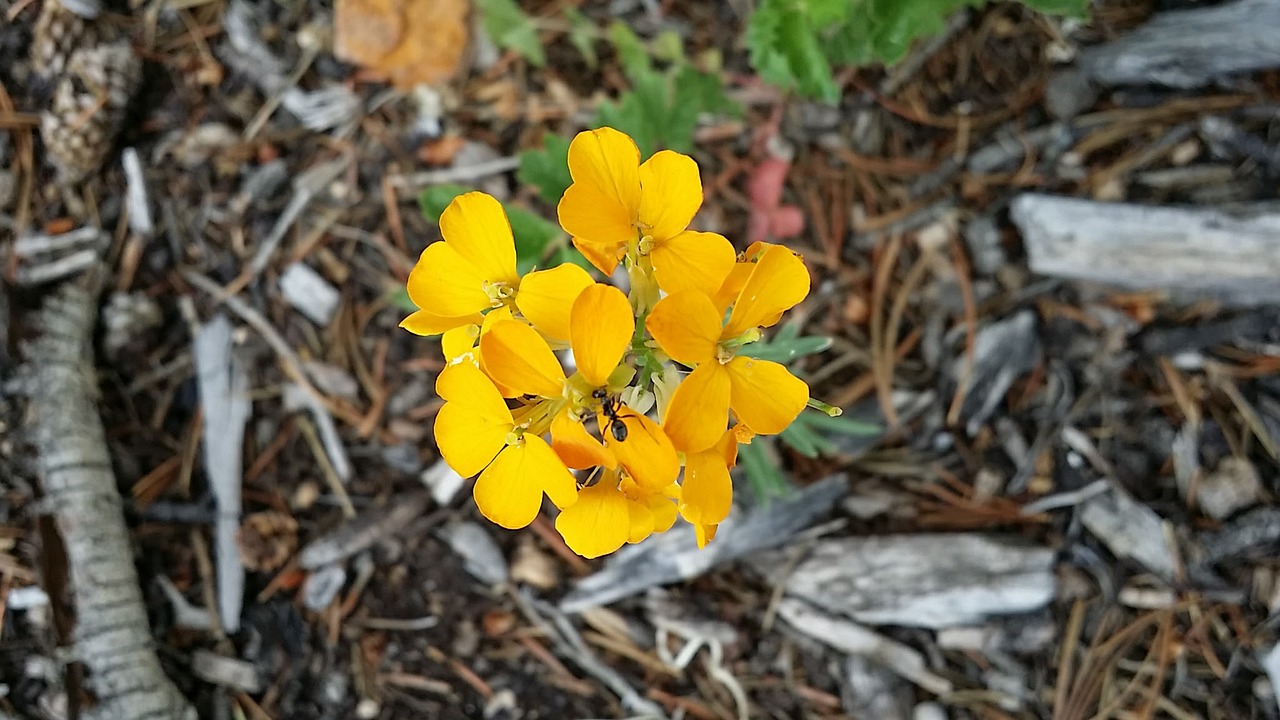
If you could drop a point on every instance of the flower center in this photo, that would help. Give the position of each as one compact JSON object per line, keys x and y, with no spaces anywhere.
{"x":499,"y":293}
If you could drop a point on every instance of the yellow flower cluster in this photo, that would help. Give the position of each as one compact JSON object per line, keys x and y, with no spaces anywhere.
{"x":513,"y":414}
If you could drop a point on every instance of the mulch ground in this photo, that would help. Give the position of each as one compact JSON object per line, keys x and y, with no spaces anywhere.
{"x":912,"y":255}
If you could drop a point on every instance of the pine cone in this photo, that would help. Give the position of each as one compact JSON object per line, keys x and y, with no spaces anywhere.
{"x":89,"y":105}
{"x":58,"y":33}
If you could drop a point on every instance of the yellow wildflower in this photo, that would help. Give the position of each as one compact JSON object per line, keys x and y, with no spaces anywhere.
{"x":619,"y":207}
{"x":476,"y":433}
{"x":473,"y":270}
{"x":615,"y":511}
{"x":762,"y":394}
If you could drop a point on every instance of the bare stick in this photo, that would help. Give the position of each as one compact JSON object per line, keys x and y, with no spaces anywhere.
{"x":112,"y":637}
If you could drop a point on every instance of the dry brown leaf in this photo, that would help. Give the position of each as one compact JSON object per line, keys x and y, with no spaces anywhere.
{"x":405,"y":42}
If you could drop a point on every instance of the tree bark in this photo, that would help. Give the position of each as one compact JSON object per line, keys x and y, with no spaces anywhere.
{"x":112,"y":638}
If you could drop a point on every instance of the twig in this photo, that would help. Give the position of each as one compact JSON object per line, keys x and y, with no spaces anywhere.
{"x":417,"y":181}
{"x":289,"y":362}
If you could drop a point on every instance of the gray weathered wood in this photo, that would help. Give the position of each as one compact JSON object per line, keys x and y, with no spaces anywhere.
{"x":1191,"y":48}
{"x":1191,"y":253}
{"x":927,"y":580}
{"x":112,"y":637}
{"x":674,"y":556}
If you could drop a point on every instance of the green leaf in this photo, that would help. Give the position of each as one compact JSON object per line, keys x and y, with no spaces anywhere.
{"x":509,"y":27}
{"x":547,"y":169}
{"x":786,"y":345}
{"x":783,"y":43}
{"x":582,"y":34}
{"x":632,"y":53}
{"x":762,"y":472}
{"x":809,"y":433}
{"x":400,"y":299}
{"x":436,"y":198}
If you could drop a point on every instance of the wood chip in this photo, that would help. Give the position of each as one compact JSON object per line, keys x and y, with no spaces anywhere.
{"x":926,"y":580}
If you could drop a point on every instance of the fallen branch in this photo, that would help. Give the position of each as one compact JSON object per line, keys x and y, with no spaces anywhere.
{"x":112,"y":637}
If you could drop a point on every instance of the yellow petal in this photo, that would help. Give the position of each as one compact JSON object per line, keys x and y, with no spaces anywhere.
{"x":778,"y":281}
{"x":699,"y":409}
{"x":646,"y":452}
{"x":465,"y":383}
{"x":516,"y":356}
{"x":469,"y":439}
{"x":706,"y":495}
{"x":476,"y":226}
{"x":598,"y":523}
{"x":686,"y":326}
{"x":546,"y":297}
{"x":445,"y":284}
{"x":705,"y":533}
{"x":509,"y":491}
{"x":576,"y":447}
{"x":424,"y":323}
{"x":692,"y":261}
{"x":764,"y":395}
{"x":600,"y":331}
{"x":458,"y":341}
{"x":664,"y":512}
{"x":591,"y":218}
{"x":608,"y":161}
{"x":732,"y":285}
{"x":640,"y":521}
{"x":670,"y":194}
{"x":605,"y":257}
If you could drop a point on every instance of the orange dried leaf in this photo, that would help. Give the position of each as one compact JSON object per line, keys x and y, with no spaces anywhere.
{"x":405,"y":42}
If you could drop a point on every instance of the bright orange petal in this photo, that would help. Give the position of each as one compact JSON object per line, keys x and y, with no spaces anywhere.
{"x":598,"y":523}
{"x":778,"y":281}
{"x":591,"y":217}
{"x":670,"y":194}
{"x":706,"y":495}
{"x":646,"y":452}
{"x":609,"y":161}
{"x":476,"y":226}
{"x":605,"y":257}
{"x":576,"y":447}
{"x":515,"y":355}
{"x":509,"y":491}
{"x":732,"y":285}
{"x":424,"y":323}
{"x":765,"y":395}
{"x":445,"y":284}
{"x":546,"y":297}
{"x":686,"y":326}
{"x":600,"y":331}
{"x":699,"y":409}
{"x":692,"y":261}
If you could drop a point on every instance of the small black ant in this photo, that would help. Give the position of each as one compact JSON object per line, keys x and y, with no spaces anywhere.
{"x":609,"y":407}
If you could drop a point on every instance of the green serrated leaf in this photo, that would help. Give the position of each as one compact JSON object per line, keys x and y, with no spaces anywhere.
{"x":632,"y":53}
{"x":582,"y":34}
{"x":668,"y":47}
{"x":509,"y":27}
{"x":547,"y":168}
{"x":783,"y":43}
